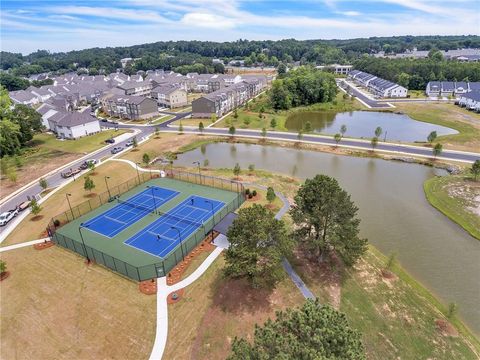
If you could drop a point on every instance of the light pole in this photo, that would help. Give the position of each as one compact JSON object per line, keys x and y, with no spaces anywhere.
{"x":199,"y":174}
{"x":108,"y":189}
{"x":153,"y":195}
{"x":83,"y":242}
{"x":70,"y":205}
{"x":213,"y":215}
{"x":180,"y":237}
{"x":138,"y":173}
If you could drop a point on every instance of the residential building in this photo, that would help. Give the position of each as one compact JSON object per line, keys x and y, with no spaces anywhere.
{"x":129,"y":107}
{"x":137,"y":88}
{"x":470,"y":100}
{"x":336,"y":68}
{"x":378,"y":86}
{"x":170,"y":96}
{"x":450,"y":88}
{"x":23,"y":97}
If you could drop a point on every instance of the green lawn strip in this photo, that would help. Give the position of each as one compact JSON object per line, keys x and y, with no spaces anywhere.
{"x":82,"y":145}
{"x":162,"y":119}
{"x":453,"y":208}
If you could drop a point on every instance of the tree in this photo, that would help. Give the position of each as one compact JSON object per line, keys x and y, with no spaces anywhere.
{"x":271,"y":194}
{"x":200,"y":127}
{"x":12,"y":174}
{"x":3,"y":266}
{"x":343,"y":130}
{"x":213,"y":118}
{"x":432,"y":136}
{"x":91,"y":166}
{"x":437,"y":150}
{"x":134,"y":142}
{"x":308,"y":127}
{"x":35,"y":207}
{"x":374,"y":143}
{"x":43,"y":183}
{"x":403,"y":79}
{"x":264,"y":133}
{"x":235,"y":114}
{"x":337,"y":137}
{"x":452,"y":310}
{"x":258,"y":243}
{"x":88,"y":185}
{"x":206,"y":163}
{"x":475,"y":169}
{"x":236,"y":169}
{"x":391,"y":262}
{"x":146,"y":159}
{"x":157,"y":131}
{"x":326,"y":220}
{"x":378,"y":131}
{"x":251,"y":168}
{"x":219,"y":68}
{"x":273,"y":123}
{"x":231,"y":130}
{"x":180,"y":128}
{"x":312,"y":331}
{"x":281,"y":69}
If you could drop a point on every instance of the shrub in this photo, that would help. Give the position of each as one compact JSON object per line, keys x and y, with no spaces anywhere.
{"x":250,"y":195}
{"x":247,"y":191}
{"x":254,"y":192}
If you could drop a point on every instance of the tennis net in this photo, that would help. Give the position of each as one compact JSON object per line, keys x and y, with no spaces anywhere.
{"x":136,"y":206}
{"x":180,"y":219}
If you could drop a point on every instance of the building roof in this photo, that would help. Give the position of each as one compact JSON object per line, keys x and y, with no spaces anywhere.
{"x":71,"y":119}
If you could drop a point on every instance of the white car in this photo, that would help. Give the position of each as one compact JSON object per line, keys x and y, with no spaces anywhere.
{"x":7,"y":216}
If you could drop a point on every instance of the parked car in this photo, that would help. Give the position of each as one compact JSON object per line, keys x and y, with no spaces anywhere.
{"x":70,"y":173}
{"x":7,"y":216}
{"x":104,"y":120}
{"x":129,"y":143}
{"x":89,"y":161}
{"x":116,"y":149}
{"x":110,"y":141}
{"x":23,"y":206}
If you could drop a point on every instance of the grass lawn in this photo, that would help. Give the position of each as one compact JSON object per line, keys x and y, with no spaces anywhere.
{"x":194,"y":96}
{"x":162,"y":119}
{"x":249,"y":119}
{"x":465,"y":122}
{"x":83,"y":145}
{"x":457,"y":197}
{"x":53,"y":306}
{"x":46,"y":154}
{"x":182,"y":109}
{"x":417,"y":94}
{"x":56,"y":204}
{"x":193,"y":122}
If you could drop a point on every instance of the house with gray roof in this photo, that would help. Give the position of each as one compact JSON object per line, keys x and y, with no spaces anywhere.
{"x":129,"y":107}
{"x":470,"y":100}
{"x":378,"y":86}
{"x":171,"y":96}
{"x":137,"y":88}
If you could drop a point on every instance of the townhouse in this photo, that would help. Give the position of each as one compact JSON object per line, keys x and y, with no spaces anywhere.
{"x":170,"y":96}
{"x":136,"y":88}
{"x":129,"y":107}
{"x":450,"y":88}
{"x":470,"y":100}
{"x":378,"y":86}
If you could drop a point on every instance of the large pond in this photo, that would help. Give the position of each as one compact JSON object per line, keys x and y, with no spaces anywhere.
{"x":396,"y":127}
{"x":395,"y":215}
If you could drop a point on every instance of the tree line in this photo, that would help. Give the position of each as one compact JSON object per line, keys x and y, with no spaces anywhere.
{"x":18,"y":124}
{"x":171,"y":54}
{"x":415,"y":74}
{"x":302,"y":86}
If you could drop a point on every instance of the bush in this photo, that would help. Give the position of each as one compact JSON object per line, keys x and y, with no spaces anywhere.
{"x":254,"y":192}
{"x":250,"y":195}
{"x":56,"y":223}
{"x":247,"y":191}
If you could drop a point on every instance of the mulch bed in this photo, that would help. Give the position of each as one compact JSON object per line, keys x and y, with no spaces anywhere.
{"x":37,"y":217}
{"x":148,"y":287}
{"x":254,"y":198}
{"x":175,"y":275}
{"x":175,"y":296}
{"x":43,"y":245}
{"x":91,"y":195}
{"x":387,"y":274}
{"x":4,"y":275}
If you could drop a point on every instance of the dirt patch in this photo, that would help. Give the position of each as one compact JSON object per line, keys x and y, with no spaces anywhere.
{"x":257,"y":197}
{"x":37,"y":218}
{"x":4,"y":275}
{"x":445,"y":328}
{"x":89,"y":196}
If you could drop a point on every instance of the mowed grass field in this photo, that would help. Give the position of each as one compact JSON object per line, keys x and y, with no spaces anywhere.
{"x":53,"y":306}
{"x":457,"y":197}
{"x":467,"y":123}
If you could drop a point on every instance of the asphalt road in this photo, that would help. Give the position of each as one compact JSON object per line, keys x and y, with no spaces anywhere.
{"x":358,"y":94}
{"x":55,"y":179}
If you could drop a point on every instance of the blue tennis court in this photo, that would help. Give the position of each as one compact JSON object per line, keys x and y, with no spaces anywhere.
{"x":118,"y":218}
{"x":164,"y":234}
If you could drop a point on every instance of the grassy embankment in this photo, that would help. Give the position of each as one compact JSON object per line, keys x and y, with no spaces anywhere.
{"x":458,"y":198}
{"x":465,"y":122}
{"x":46,"y":153}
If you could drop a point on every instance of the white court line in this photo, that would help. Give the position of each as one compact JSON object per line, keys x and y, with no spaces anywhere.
{"x":112,"y":219}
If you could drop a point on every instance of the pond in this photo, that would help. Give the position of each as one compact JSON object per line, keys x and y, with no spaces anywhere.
{"x":396,"y":127}
{"x":395,"y":214}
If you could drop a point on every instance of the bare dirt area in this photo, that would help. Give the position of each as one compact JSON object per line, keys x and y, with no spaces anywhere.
{"x":467,"y":192}
{"x":53,"y":306}
{"x":29,"y":172}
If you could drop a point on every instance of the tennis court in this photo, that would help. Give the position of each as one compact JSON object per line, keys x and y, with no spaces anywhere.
{"x":129,"y":211}
{"x":164,"y":234}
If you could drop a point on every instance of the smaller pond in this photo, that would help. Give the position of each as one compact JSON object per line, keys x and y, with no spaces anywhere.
{"x":396,"y":127}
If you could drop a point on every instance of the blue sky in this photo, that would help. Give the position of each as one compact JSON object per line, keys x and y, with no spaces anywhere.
{"x":67,"y":25}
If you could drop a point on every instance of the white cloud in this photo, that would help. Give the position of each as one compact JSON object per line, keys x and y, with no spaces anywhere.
{"x":208,"y":21}
{"x":349,"y":13}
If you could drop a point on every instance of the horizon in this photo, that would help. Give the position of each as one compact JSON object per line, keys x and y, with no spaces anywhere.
{"x":77,"y":25}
